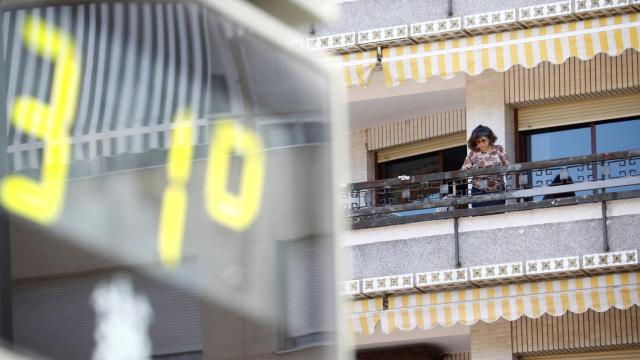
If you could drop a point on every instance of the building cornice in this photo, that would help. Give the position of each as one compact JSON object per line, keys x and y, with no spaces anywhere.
{"x":469,"y":25}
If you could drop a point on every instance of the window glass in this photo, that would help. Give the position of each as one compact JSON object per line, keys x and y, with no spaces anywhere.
{"x":619,"y":136}
{"x":555,"y":144}
{"x":559,"y":143}
{"x":415,"y":165}
{"x":452,"y":159}
{"x":166,"y":195}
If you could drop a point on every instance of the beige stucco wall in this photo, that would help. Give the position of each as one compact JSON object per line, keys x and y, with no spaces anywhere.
{"x":361,"y":167}
{"x":485,"y":99}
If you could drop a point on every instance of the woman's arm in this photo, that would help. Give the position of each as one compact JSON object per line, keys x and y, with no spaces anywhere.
{"x":504,"y":158}
{"x":467,"y":163}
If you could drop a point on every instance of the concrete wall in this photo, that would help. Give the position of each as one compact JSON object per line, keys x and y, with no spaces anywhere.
{"x":368,"y":14}
{"x":517,"y":236}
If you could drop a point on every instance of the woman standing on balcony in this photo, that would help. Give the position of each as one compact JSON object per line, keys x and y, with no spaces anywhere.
{"x":485,"y":153}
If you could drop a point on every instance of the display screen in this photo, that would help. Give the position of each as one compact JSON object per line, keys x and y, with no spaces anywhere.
{"x":167,"y":186}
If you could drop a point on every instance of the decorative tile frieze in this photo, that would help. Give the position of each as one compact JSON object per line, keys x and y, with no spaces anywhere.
{"x":340,"y":43}
{"x":437,"y":30}
{"x":545,"y":14}
{"x":610,"y":262}
{"x":351,"y":288}
{"x":553,"y":268}
{"x":560,"y":267}
{"x":368,"y":286}
{"x":497,"y":273}
{"x":388,"y":284}
{"x":444,"y":279}
{"x":586,"y":9}
{"x":389,"y":36}
{"x":490,"y":22}
{"x":401,"y":283}
{"x":475,"y":24}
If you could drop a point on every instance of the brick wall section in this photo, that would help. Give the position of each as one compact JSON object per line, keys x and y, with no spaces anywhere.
{"x":363,"y":142}
{"x":577,"y":332}
{"x":420,"y":128}
{"x":573,"y":79}
{"x":457,"y":356}
{"x":491,"y":341}
{"x":361,"y":165}
{"x":589,"y":331}
{"x":485,"y":103}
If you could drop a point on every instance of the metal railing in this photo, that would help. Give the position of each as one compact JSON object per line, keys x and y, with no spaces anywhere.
{"x":537,"y":184}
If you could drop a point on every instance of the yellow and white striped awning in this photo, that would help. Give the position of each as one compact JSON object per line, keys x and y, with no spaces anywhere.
{"x":357,"y":67}
{"x":364,"y":315}
{"x":468,"y":306}
{"x":500,"y":51}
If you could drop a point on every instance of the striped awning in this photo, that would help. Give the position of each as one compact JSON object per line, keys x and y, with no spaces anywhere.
{"x":139,"y":64}
{"x":488,"y":304}
{"x":357,"y":68}
{"x":133,"y":76}
{"x":364,"y":315}
{"x":500,"y":51}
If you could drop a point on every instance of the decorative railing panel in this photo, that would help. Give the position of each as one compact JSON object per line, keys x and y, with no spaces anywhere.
{"x":522,"y":186}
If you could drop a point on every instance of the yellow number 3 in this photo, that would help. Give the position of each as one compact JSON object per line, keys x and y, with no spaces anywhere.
{"x":42,"y":201}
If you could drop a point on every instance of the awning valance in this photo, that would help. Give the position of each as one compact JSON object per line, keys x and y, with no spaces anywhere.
{"x":357,"y":67}
{"x":533,"y":299}
{"x":364,"y":315}
{"x":500,"y":51}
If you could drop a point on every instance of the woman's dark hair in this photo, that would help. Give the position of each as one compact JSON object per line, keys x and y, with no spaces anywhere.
{"x":479,"y":132}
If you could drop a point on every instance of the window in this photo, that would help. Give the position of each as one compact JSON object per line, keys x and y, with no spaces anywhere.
{"x":618,"y":136}
{"x":585,"y":139}
{"x":433,"y":162}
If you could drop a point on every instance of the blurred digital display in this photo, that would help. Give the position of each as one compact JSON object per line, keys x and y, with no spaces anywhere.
{"x":169,"y":185}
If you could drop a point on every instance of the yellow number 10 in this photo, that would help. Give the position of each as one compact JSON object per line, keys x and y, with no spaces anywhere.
{"x":235,"y":211}
{"x":42,"y":201}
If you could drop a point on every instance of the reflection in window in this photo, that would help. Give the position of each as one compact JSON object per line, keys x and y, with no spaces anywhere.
{"x":553,"y":144}
{"x":618,"y":136}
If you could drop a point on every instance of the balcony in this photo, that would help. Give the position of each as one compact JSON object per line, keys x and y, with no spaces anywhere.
{"x":533,"y":185}
{"x":427,"y":223}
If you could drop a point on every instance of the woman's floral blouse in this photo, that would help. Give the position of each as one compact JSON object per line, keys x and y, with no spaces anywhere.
{"x":495,"y":157}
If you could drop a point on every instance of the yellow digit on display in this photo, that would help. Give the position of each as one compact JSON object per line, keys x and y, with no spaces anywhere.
{"x":236,"y":211}
{"x":42,"y":201}
{"x":174,"y":201}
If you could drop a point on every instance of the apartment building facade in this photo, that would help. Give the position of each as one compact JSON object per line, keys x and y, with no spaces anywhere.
{"x":550,"y":274}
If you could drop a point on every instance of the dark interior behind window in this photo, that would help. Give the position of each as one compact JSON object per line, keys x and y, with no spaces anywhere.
{"x":433,"y":162}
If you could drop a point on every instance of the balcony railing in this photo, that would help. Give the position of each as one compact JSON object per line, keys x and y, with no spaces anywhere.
{"x":538,"y":184}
